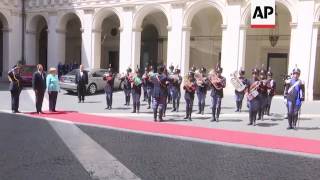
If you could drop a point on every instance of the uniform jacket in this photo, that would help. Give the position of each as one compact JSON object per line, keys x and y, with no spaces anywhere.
{"x":15,"y":81}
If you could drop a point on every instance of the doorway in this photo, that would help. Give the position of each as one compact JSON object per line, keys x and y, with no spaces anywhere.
{"x":114,"y":60}
{"x":278,"y":62}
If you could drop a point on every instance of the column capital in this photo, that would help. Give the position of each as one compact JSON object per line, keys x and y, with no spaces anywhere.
{"x":186,"y":28}
{"x":88,"y":10}
{"x":129,"y":8}
{"x":244,"y":27}
{"x":316,"y":24}
{"x":178,"y":5}
{"x":293,"y":25}
{"x":52,"y":13}
{"x":61,"y":31}
{"x":120,"y":29}
{"x":6,"y":29}
{"x":82,"y":30}
{"x":96,"y":31}
{"x":169,"y":28}
{"x":137,"y":29}
{"x":224,"y":26}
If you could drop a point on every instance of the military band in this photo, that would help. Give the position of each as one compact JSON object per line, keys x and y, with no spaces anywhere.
{"x":158,"y":86}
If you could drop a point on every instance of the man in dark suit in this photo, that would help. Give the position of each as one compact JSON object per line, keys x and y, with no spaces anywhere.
{"x":39,"y":86}
{"x":81,"y":81}
{"x":15,"y":87}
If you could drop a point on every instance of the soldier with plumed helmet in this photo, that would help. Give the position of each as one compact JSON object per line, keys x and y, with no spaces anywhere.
{"x":240,"y":94}
{"x":202,"y":88}
{"x":218,"y":83}
{"x":190,"y":88}
{"x":125,"y":79}
{"x":136,"y":84}
{"x":263,"y":93}
{"x":175,"y":91}
{"x":294,"y":92}
{"x":253,"y":96}
{"x":271,"y":84}
{"x":108,"y":88}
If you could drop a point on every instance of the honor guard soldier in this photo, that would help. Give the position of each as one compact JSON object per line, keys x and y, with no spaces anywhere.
{"x":170,"y":73}
{"x":294,"y":92}
{"x":218,"y":82}
{"x":253,"y":96}
{"x":202,"y":87}
{"x":175,"y":91}
{"x":15,"y":87}
{"x":240,"y":94}
{"x":263,"y":93}
{"x":193,"y":69}
{"x":159,"y":93}
{"x":149,"y":84}
{"x":271,"y":84}
{"x":136,"y":84}
{"x":109,"y":78}
{"x":144,"y":84}
{"x":190,"y":88}
{"x":125,"y":79}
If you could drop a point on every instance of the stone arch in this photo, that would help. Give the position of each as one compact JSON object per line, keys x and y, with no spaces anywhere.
{"x":64,"y":18}
{"x":286,"y":3}
{"x":4,"y":20}
{"x":193,"y":9}
{"x":145,"y":10}
{"x":104,"y":13}
{"x":33,"y":20}
{"x":4,"y":46}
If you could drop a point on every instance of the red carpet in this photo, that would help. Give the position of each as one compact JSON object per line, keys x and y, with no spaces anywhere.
{"x":217,"y":135}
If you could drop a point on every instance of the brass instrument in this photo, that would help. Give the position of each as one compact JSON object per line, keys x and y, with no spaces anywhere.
{"x":215,"y":80}
{"x":237,"y":83}
{"x":187,"y":84}
{"x":199,"y":78}
{"x":253,"y":90}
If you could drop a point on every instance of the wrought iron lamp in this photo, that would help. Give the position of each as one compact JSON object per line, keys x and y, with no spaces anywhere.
{"x":274,"y":33}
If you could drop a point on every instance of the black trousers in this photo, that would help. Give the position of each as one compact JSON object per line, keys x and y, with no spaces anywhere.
{"x":15,"y":96}
{"x":81,"y":88}
{"x":52,"y":100}
{"x":39,"y":100}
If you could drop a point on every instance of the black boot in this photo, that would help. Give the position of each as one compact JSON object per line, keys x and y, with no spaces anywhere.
{"x":218,"y":114}
{"x":160,"y":115}
{"x":187,"y":114}
{"x":178,"y":103}
{"x":174,"y":106}
{"x":200,"y":108}
{"x":213,"y":115}
{"x":237,"y":104}
{"x":190,"y":112}
{"x":155,"y":115}
{"x":134,"y":108}
{"x":240,"y":106}
{"x":290,"y":121}
{"x":138,"y":107}
{"x":250,"y":118}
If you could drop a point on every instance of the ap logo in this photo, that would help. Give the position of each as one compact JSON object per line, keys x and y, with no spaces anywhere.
{"x":263,"y":13}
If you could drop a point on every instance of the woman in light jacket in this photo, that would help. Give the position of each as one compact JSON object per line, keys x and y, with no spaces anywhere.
{"x":53,"y":88}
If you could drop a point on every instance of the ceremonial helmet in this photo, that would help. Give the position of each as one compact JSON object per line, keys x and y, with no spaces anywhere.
{"x":171,"y":67}
{"x":296,"y":70}
{"x":218,"y":68}
{"x":203,"y":70}
{"x":190,"y":74}
{"x":242,"y":72}
{"x":255,"y":71}
{"x":110,"y":68}
{"x":161,"y":68}
{"x":263,"y":71}
{"x":129,"y":70}
{"x":270,"y":74}
{"x":137,"y":70}
{"x":193,"y":68}
{"x":177,"y":70}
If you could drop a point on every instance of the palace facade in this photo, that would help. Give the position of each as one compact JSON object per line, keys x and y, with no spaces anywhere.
{"x":134,"y":33}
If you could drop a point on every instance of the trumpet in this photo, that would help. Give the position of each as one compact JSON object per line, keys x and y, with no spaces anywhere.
{"x":200,"y":80}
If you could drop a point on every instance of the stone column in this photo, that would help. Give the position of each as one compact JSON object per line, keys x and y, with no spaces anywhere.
{"x":86,"y":50}
{"x":185,"y":50}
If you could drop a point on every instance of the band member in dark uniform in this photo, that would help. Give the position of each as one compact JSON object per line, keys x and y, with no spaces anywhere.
{"x":263,"y":93}
{"x":271,"y":84}
{"x":15,"y":87}
{"x":108,"y":89}
{"x":253,"y":96}
{"x":175,"y":91}
{"x":149,"y":85}
{"x":39,"y":86}
{"x":202,"y":87}
{"x":136,"y":84}
{"x":190,"y":88}
{"x":81,"y":82}
{"x":171,"y":72}
{"x":159,"y":93}
{"x":167,"y":83}
{"x":144,"y":84}
{"x":218,"y":82}
{"x":240,"y":94}
{"x":294,"y":91}
{"x":127,"y":86}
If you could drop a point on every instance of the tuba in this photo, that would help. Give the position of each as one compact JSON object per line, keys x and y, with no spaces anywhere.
{"x":237,"y":83}
{"x":199,"y":78}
